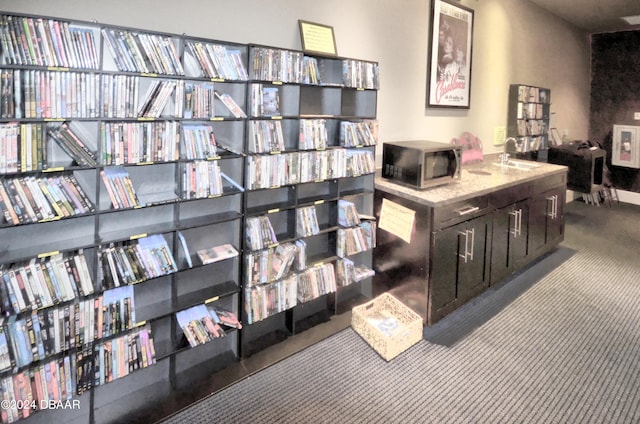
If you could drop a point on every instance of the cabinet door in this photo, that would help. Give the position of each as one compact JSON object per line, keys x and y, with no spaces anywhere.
{"x":444,"y":266}
{"x":555,"y":215}
{"x":458,"y":266}
{"x":547,"y":223}
{"x":472,"y":268}
{"x":518,"y":247}
{"x":509,"y":244}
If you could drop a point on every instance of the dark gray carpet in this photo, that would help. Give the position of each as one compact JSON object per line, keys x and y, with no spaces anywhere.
{"x":558,"y":343}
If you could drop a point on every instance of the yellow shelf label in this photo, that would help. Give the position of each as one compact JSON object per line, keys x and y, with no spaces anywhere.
{"x":137,"y":236}
{"x":140,"y":324}
{"x":211,"y":299}
{"x":144,"y":74}
{"x":276,"y":117}
{"x":144,"y":163}
{"x":216,"y":118}
{"x":54,"y":218}
{"x":54,"y":119}
{"x":273,"y":210}
{"x":217,"y":80}
{"x":57,"y":169}
{"x":318,"y":202}
{"x":47,"y":254}
{"x":57,"y":68}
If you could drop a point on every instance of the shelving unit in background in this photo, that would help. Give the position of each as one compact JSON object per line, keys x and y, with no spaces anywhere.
{"x":528,"y":121}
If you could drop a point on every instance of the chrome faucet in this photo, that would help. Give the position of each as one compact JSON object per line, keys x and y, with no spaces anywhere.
{"x":504,"y":158}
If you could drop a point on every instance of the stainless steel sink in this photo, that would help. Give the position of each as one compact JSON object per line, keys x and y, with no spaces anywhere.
{"x":522,"y":165}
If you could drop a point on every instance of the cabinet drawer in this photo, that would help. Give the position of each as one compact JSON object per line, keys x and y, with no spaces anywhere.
{"x":502,"y":198}
{"x":460,"y":211}
{"x":551,"y":181}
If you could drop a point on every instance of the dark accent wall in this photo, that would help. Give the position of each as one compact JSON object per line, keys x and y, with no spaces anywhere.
{"x":615,"y":94}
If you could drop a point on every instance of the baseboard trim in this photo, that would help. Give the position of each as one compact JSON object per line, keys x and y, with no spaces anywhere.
{"x":629,"y":197}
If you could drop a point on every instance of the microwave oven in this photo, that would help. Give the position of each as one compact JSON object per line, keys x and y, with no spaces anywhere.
{"x":421,"y":164}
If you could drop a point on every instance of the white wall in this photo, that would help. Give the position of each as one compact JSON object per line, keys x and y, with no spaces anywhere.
{"x":514,"y":42}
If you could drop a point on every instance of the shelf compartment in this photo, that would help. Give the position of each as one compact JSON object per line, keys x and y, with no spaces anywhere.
{"x":187,"y":299}
{"x":320,"y":101}
{"x":311,"y":313}
{"x":217,"y":357}
{"x":359,"y":103}
{"x":264,"y":333}
{"x":312,"y":193}
{"x":113,"y":402}
{"x":262,"y":201}
{"x":44,"y":239}
{"x":135,"y":223}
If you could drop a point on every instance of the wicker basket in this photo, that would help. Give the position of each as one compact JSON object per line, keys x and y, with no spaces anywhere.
{"x":388,"y":325}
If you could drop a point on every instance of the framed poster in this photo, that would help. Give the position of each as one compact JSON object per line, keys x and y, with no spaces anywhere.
{"x":450,"y":47}
{"x":625,"y":150}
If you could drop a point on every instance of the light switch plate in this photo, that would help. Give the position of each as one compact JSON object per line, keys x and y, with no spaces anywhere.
{"x":636,"y":116}
{"x":499,"y":135}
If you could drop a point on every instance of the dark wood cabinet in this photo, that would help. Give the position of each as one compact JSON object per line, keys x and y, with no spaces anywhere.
{"x":459,"y":262}
{"x":461,"y":246}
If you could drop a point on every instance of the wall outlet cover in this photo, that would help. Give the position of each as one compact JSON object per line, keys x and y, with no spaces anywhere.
{"x":636,"y":116}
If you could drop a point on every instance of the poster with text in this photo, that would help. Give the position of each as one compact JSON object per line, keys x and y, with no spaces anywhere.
{"x":450,"y":47}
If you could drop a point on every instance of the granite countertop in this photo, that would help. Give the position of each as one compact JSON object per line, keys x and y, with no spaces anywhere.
{"x":477,"y":179}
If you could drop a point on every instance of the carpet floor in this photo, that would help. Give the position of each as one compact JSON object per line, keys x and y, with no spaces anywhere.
{"x":557,"y":343}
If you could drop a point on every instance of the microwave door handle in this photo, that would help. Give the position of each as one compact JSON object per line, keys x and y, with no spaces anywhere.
{"x":457,"y":153}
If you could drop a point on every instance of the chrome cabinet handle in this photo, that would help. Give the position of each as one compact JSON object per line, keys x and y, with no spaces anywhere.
{"x":468,"y":251}
{"x":554,"y":206}
{"x":515,"y":223}
{"x":468,"y":210}
{"x":466,"y":245}
{"x":519,"y":222}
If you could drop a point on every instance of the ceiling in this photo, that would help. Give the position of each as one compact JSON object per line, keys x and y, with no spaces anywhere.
{"x":594,"y":16}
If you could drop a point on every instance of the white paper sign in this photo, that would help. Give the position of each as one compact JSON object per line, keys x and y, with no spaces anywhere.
{"x":397,"y":219}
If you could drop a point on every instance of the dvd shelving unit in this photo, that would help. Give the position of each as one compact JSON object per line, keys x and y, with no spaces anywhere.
{"x":120,"y":159}
{"x":528,"y":121}
{"x":311,"y":135}
{"x":132,"y":166}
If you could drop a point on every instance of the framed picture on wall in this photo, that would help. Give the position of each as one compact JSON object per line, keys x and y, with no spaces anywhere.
{"x":624,"y":151}
{"x":449,"y":62}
